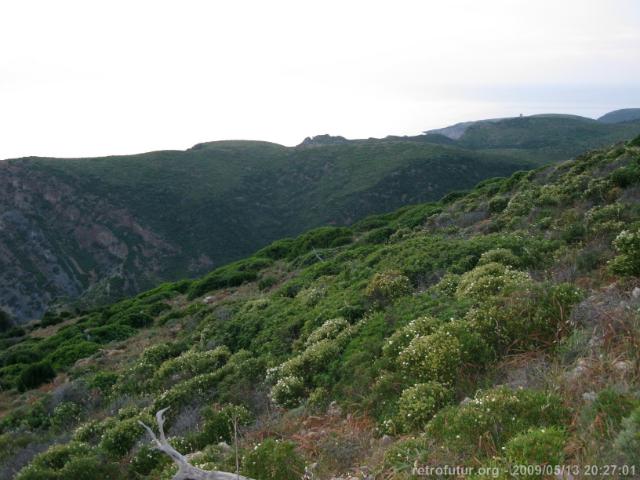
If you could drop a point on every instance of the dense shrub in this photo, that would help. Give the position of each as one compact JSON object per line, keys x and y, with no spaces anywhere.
{"x":386,"y":287}
{"x":90,"y":467}
{"x":419,"y":403}
{"x":435,"y":357}
{"x":192,"y":363}
{"x":230,"y":275}
{"x":475,"y":351}
{"x":35,"y":375}
{"x":627,"y":243}
{"x":610,"y":407}
{"x":288,"y":391}
{"x":121,"y":438}
{"x":537,"y":446}
{"x":525,"y":318}
{"x":503,"y":256}
{"x":273,"y":460}
{"x":47,"y":465}
{"x":65,"y":415}
{"x":401,"y":338}
{"x":328,"y":330}
{"x":498,"y":414}
{"x":490,"y":279}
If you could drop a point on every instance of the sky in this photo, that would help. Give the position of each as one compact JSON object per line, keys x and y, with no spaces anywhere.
{"x":90,"y":78}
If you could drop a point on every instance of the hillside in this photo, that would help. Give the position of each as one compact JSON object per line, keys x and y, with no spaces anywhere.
{"x":98,"y":229}
{"x":619,"y":116}
{"x":489,"y":329}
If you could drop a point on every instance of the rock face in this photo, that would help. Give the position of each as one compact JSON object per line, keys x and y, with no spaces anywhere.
{"x":58,"y":242}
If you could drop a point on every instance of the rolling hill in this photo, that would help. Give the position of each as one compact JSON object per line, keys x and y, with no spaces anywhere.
{"x":95,"y":229}
{"x":491,"y":329}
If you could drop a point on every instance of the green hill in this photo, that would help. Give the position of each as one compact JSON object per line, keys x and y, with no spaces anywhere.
{"x":97,"y":229}
{"x":620,"y":116}
{"x":489,"y":329}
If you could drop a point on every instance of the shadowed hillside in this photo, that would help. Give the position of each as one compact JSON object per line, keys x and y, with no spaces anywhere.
{"x":97,"y":229}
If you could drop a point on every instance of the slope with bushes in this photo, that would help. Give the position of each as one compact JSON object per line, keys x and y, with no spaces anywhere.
{"x":103,"y":228}
{"x":492,"y":329}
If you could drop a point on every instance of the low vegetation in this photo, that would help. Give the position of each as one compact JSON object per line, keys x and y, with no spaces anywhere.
{"x":494,"y":328}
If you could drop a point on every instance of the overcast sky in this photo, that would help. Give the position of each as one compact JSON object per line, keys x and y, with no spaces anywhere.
{"x":88,"y":77}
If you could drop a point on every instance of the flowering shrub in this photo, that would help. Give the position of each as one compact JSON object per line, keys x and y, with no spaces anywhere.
{"x":475,"y":351}
{"x":192,"y":363}
{"x":435,"y":357}
{"x":386,"y":287}
{"x":273,"y":460}
{"x":497,"y":414}
{"x":503,"y":256}
{"x":311,"y":296}
{"x":401,"y":338}
{"x":447,"y":285}
{"x":490,"y":279}
{"x":627,"y":243}
{"x":419,"y":403}
{"x":329,"y":329}
{"x":288,"y":391}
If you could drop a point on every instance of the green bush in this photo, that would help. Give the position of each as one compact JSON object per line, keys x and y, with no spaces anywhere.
{"x":146,"y":460}
{"x":65,"y":415}
{"x":120,"y":439}
{"x":435,"y":357}
{"x":503,"y":256}
{"x":626,"y":176}
{"x":52,"y":460}
{"x":273,"y":460}
{"x":495,"y":416}
{"x":288,"y":391}
{"x":104,"y":381}
{"x":530,"y":316}
{"x":419,"y":403}
{"x":401,"y":338}
{"x":90,"y":468}
{"x":537,"y":446}
{"x":386,"y":287}
{"x":490,"y":279}
{"x":231,"y":275}
{"x":475,"y":352}
{"x":610,"y":407}
{"x":218,"y":425}
{"x":35,"y":375}
{"x":192,"y":363}
{"x":328,"y":330}
{"x":627,"y":243}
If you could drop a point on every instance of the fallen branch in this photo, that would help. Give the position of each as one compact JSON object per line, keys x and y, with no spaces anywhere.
{"x":186,"y":471}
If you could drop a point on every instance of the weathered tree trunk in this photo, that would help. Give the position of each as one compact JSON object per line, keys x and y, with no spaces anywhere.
{"x":186,"y":471}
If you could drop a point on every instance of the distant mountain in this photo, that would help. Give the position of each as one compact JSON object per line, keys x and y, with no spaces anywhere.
{"x":100,"y":228}
{"x":537,"y":138}
{"x":619,"y":116}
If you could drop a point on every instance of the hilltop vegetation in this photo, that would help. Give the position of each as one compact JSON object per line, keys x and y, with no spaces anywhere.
{"x":492,"y":328}
{"x":99,"y":229}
